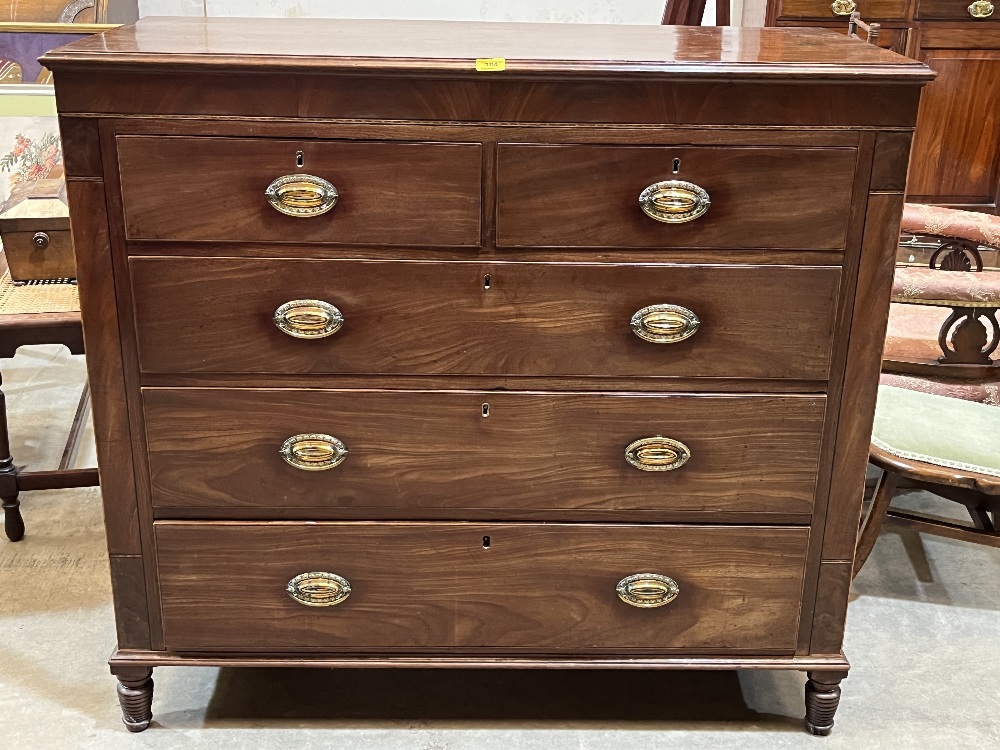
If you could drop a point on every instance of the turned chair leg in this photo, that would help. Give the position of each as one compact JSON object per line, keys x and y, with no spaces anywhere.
{"x":884,"y":492}
{"x":135,"y":694}
{"x":822,"y":699}
{"x":13,"y":523}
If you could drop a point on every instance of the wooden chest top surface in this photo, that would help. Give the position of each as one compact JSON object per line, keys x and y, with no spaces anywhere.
{"x":365,"y":46}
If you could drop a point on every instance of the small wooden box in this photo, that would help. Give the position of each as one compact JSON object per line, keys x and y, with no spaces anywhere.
{"x":35,"y":235}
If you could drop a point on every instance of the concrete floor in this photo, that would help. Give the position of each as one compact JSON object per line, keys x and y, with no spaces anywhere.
{"x":922,"y":635}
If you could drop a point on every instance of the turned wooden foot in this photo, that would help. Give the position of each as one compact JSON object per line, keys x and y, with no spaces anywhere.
{"x":822,"y":699}
{"x":13,"y":523}
{"x":135,"y":694}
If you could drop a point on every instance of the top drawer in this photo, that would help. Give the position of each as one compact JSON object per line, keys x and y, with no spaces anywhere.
{"x":842,"y":9}
{"x":589,"y":196}
{"x":958,"y":10}
{"x":388,"y":193}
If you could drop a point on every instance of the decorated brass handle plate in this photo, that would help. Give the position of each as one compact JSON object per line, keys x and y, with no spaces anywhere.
{"x":664,"y":324}
{"x":308,"y":319}
{"x":657,"y":454}
{"x":646,"y":590}
{"x":301,"y":195}
{"x":843,"y":7}
{"x":981,"y":9}
{"x":674,"y":201}
{"x":319,"y":589}
{"x":313,"y":452}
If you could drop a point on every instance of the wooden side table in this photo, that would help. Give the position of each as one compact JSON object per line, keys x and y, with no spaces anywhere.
{"x":38,"y":313}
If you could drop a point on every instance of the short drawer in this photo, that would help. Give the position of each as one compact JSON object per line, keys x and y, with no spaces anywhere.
{"x":419,"y":453}
{"x":444,"y":318}
{"x":392,"y":193}
{"x":590,"y":196}
{"x":958,"y":10}
{"x":841,"y":10}
{"x":531,"y":587}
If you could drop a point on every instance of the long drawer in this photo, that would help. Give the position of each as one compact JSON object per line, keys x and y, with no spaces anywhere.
{"x":593,"y":196}
{"x":181,"y":188}
{"x":286,"y":587}
{"x":558,"y":319}
{"x":420,"y":451}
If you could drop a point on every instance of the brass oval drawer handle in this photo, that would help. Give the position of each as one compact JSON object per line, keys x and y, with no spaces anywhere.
{"x":308,"y":319}
{"x":647,"y":590}
{"x":657,"y":454}
{"x":674,"y":201}
{"x":301,"y":195}
{"x":843,"y":7}
{"x":981,"y":9}
{"x":665,"y":324}
{"x":313,"y":452}
{"x":319,"y":589}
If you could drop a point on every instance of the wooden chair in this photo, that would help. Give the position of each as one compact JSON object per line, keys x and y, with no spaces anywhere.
{"x":690,"y":12}
{"x":38,"y":313}
{"x":937,"y":424}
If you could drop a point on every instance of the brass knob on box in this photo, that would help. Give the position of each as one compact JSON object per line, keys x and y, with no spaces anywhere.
{"x":664,"y":324}
{"x":843,"y":7}
{"x":319,"y":589}
{"x":308,"y":319}
{"x":301,"y":195}
{"x":646,"y":590}
{"x":40,"y":240}
{"x":674,"y":201}
{"x":657,"y":454}
{"x":313,"y":452}
{"x":981,"y":9}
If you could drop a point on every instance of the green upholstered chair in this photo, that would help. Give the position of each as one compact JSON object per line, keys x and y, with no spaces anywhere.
{"x":937,"y":423}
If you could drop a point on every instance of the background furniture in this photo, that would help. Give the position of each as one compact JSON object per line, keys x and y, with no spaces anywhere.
{"x":403,"y":357}
{"x":38,"y":313}
{"x":956,"y":150}
{"x":943,"y":333}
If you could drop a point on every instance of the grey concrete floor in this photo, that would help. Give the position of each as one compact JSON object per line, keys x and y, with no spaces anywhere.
{"x":922,"y":634}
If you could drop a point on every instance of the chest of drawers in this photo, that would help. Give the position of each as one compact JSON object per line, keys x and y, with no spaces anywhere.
{"x":396,"y":362}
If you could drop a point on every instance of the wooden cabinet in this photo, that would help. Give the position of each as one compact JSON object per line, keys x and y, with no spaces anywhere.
{"x":956,"y":148}
{"x":397,"y":362}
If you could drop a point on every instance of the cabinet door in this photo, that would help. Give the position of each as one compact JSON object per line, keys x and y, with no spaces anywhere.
{"x":956,"y":151}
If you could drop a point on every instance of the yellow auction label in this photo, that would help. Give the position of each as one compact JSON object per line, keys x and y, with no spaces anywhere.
{"x":489,"y":64}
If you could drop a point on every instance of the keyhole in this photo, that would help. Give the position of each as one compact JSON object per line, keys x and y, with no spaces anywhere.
{"x":677,"y":166}
{"x":486,"y":410}
{"x":487,"y":281}
{"x":300,"y":159}
{"x":486,"y":542}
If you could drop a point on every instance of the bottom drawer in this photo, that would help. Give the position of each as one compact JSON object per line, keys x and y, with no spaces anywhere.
{"x":543,"y":588}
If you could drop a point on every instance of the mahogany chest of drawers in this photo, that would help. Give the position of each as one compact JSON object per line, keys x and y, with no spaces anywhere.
{"x":402,"y":356}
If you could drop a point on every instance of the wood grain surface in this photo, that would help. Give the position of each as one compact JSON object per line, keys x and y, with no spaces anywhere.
{"x":413,"y":450}
{"x":393,"y":47}
{"x":390,"y":193}
{"x":541,"y":587}
{"x":588,"y":196}
{"x":215,"y":315}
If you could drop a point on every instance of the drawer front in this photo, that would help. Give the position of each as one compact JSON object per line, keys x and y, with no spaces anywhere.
{"x":179,"y":188}
{"x":217,"y":315}
{"x":589,"y":196}
{"x":418,"y":452}
{"x":39,"y":253}
{"x":423,"y":587}
{"x":841,"y":10}
{"x":959,"y":10}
